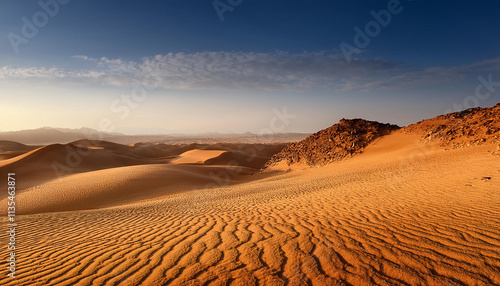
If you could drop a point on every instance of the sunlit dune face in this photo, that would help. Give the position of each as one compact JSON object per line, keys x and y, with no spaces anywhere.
{"x":386,"y":215}
{"x":197,"y":156}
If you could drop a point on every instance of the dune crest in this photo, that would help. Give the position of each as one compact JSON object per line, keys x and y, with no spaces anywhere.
{"x":119,"y":186}
{"x":403,"y":211}
{"x":197,"y":156}
{"x":397,"y":214}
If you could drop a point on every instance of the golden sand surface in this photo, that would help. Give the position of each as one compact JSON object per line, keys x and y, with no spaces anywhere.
{"x":400,"y":213}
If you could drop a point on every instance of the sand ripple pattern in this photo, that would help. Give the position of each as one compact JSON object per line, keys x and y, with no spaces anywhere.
{"x":345,"y":224}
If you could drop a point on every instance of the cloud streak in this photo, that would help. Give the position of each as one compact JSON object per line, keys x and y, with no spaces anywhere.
{"x":274,"y":71}
{"x":223,"y":70}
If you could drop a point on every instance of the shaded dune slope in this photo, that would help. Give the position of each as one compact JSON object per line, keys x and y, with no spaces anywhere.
{"x":401,"y":212}
{"x":51,"y":162}
{"x":14,"y":146}
{"x":235,"y":158}
{"x":197,"y":156}
{"x":385,"y":217}
{"x":115,"y":186}
{"x":54,"y":161}
{"x":11,"y":149}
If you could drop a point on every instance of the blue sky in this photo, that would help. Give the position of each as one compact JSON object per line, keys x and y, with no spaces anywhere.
{"x":88,"y":58}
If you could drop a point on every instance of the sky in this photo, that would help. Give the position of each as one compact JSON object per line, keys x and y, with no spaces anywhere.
{"x":232,"y":66}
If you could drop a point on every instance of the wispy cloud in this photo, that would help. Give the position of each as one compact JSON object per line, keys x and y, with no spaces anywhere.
{"x":432,"y":75}
{"x":280,"y":70}
{"x":32,"y":72}
{"x":243,"y":70}
{"x":7,"y":72}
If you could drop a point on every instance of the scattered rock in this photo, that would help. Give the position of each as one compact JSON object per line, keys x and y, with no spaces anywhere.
{"x":486,"y":179}
{"x":474,"y":126}
{"x":471,"y":127}
{"x":335,"y":143}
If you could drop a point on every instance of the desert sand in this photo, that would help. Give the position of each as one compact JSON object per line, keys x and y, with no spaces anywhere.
{"x":402,"y":212}
{"x":197,"y":156}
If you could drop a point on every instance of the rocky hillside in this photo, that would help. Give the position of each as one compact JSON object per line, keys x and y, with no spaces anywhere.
{"x":460,"y":129}
{"x":342,"y":140}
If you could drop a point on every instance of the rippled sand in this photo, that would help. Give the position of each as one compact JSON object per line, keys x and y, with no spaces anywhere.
{"x":401,"y":213}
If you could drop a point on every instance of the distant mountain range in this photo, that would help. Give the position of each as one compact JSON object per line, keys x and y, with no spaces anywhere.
{"x":49,"y":135}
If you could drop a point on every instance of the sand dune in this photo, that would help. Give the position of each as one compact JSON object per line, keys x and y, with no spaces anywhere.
{"x":400,"y":213}
{"x":222,"y":158}
{"x":48,"y":163}
{"x":196,"y":156}
{"x":11,"y":149}
{"x":14,"y":146}
{"x":238,"y":159}
{"x":111,"y":187}
{"x":51,"y":162}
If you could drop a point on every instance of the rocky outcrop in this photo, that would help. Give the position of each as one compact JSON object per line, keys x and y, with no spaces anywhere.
{"x":340,"y":141}
{"x":460,"y":129}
